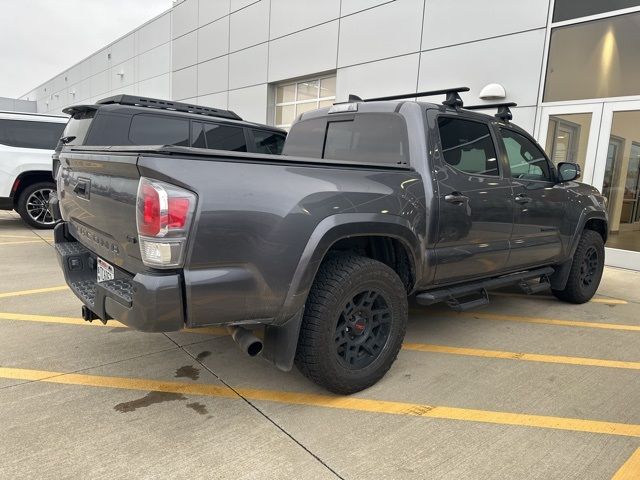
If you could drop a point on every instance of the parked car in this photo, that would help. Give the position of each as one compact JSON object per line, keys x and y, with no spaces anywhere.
{"x":129,"y":120}
{"x":27,"y":141}
{"x":371,"y":201}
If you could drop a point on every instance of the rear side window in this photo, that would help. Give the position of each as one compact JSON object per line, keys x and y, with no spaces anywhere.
{"x":225,"y":137}
{"x":268,"y":142}
{"x":467,"y":146}
{"x":29,"y":134}
{"x":106,"y":129}
{"x":78,"y":126}
{"x":157,"y":130}
{"x":197,"y":135}
{"x":370,"y":138}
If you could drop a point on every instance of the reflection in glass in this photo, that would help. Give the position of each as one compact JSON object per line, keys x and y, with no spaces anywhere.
{"x":307,"y":90}
{"x":285,"y":114}
{"x":594,"y":59}
{"x":328,"y":87}
{"x":305,"y":107}
{"x":567,"y":138}
{"x":622,"y":181}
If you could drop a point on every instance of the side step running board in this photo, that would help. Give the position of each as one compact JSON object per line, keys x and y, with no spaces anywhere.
{"x":455,"y":295}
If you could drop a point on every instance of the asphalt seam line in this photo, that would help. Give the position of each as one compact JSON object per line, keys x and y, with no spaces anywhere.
{"x":328,"y":401}
{"x":258,"y":410}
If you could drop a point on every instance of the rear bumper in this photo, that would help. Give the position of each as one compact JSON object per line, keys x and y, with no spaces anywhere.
{"x":6,"y":203}
{"x":151,"y":303}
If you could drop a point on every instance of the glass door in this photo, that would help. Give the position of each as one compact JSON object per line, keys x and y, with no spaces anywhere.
{"x":569,"y":133}
{"x":617,"y":175}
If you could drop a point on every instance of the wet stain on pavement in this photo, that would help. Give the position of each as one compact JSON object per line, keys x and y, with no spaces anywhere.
{"x":188,"y":371}
{"x":149,"y":399}
{"x":202,"y":355}
{"x":198,"y":407}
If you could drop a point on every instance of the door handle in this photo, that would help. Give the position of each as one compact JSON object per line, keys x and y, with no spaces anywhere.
{"x":522,"y":199}
{"x":80,"y":188}
{"x":455,"y":198}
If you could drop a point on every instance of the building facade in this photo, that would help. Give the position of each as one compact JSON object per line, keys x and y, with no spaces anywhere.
{"x":572,"y":66}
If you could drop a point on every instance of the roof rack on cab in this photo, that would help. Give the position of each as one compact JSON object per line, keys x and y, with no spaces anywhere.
{"x":504,"y":112}
{"x":168,"y":105}
{"x":453,"y":98}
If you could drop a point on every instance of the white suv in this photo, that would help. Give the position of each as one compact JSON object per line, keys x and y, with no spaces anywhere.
{"x":27,"y":141}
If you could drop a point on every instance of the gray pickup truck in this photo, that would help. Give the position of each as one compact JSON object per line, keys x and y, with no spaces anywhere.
{"x":371,"y":202}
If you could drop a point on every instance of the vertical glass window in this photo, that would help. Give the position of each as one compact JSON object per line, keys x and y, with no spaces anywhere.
{"x":467,"y":146}
{"x":622,"y":181}
{"x":292,"y":99}
{"x":594,"y":59}
{"x":567,"y":138}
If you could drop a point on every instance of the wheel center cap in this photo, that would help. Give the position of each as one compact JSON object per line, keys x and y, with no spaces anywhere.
{"x":359,"y":324}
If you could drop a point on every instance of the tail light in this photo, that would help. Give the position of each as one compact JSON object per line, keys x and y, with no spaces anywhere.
{"x":163,"y":215}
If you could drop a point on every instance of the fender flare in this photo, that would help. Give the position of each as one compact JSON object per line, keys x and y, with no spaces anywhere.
{"x":281,"y":338}
{"x":561,"y":275}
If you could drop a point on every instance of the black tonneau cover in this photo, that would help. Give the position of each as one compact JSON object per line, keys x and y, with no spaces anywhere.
{"x":225,"y":155}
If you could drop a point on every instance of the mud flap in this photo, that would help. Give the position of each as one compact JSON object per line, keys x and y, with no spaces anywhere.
{"x":281,"y":342}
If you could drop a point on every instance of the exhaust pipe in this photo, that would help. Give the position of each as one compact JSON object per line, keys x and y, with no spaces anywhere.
{"x":247,"y":341}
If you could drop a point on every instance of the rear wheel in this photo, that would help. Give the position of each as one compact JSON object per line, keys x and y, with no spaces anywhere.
{"x":354,"y":323}
{"x":586,"y":269}
{"x":33,"y":205}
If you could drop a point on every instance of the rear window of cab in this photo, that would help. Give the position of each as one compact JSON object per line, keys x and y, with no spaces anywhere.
{"x":364,"y":137}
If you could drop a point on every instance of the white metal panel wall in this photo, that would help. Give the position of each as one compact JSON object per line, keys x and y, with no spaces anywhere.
{"x":451,"y":23}
{"x":184,"y":83}
{"x":184,"y":18}
{"x":513,"y":61}
{"x":249,"y":26}
{"x":250,"y":103}
{"x":213,"y":76}
{"x":388,"y":30}
{"x":248,"y":67}
{"x":213,"y":40}
{"x":392,"y":76}
{"x":288,"y":16}
{"x":311,"y":50}
{"x":185,"y":50}
{"x":210,"y":10}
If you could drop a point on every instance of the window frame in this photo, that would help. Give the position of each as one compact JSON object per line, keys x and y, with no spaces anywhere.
{"x":295,"y":103}
{"x":505,"y":154}
{"x":500,"y":164}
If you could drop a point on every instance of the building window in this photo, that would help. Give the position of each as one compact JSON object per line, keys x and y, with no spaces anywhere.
{"x":569,"y":9}
{"x":596,"y":59}
{"x":295,"y":98}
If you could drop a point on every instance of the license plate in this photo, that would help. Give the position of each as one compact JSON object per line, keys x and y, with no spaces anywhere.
{"x":105,"y":271}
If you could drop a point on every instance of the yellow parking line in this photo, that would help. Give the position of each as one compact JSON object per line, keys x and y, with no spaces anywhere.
{"x":22,"y":242}
{"x":528,"y":357}
{"x":631,"y":468}
{"x":605,"y":300}
{"x":31,"y":292}
{"x":62,"y":320}
{"x":537,"y":320}
{"x":112,"y":323}
{"x":4,"y":235}
{"x":329,"y":401}
{"x":420,"y":347}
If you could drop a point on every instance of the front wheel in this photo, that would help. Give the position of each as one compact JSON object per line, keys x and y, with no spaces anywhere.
{"x":586,"y":269}
{"x":33,"y":205}
{"x":354,"y":323}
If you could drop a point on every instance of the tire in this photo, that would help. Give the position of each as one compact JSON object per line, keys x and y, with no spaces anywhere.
{"x":586,"y":269}
{"x":354,"y":323}
{"x":33,"y":205}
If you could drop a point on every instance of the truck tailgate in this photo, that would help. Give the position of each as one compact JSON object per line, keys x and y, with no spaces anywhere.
{"x":98,"y":199}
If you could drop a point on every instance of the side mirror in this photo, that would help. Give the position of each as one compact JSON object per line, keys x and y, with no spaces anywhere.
{"x":568,"y":171}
